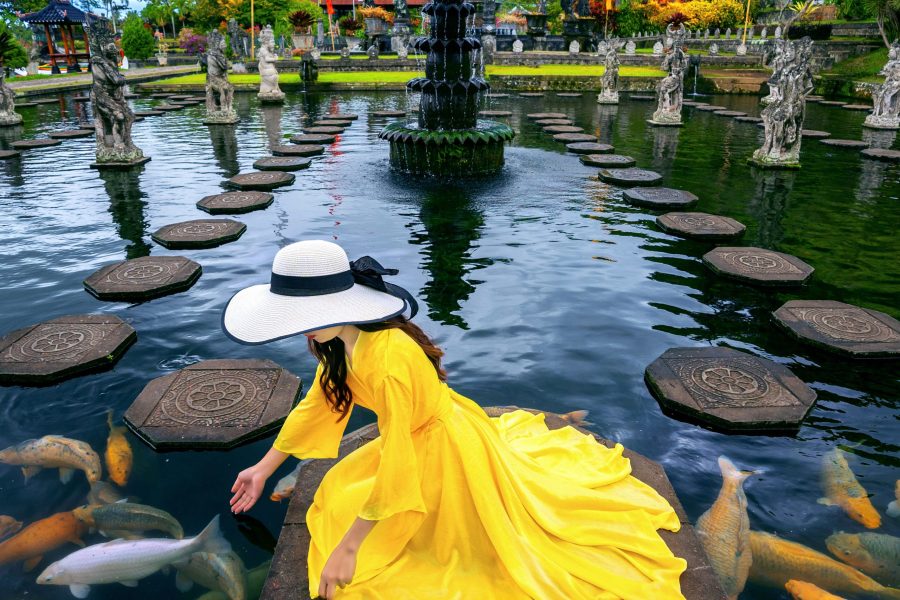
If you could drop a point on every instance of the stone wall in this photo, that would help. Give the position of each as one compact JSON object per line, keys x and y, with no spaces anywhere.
{"x":532,"y":59}
{"x":347,"y":65}
{"x":531,"y":83}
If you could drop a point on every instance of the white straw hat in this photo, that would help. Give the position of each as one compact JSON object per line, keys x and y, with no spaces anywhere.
{"x":313,"y":286}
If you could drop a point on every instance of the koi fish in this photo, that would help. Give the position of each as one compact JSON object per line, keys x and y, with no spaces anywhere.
{"x":127,"y":561}
{"x":576,"y":417}
{"x":8,"y":526}
{"x":875,"y":554}
{"x":893,"y":508}
{"x":103,"y":493}
{"x":285,"y":486}
{"x":41,"y":537}
{"x":724,"y":531}
{"x":119,"y":457}
{"x":223,"y":572}
{"x":842,"y":489}
{"x":256,"y":578}
{"x":776,"y":561}
{"x":802,"y":590}
{"x":54,"y":451}
{"x":128,"y":517}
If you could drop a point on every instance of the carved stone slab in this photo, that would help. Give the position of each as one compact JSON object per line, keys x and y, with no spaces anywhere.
{"x":163,"y":95}
{"x":729,"y":390}
{"x":844,"y":328}
{"x":815,"y":133}
{"x":589,"y":148}
{"x":70,"y":134}
{"x":330,"y":129}
{"x":298,"y":150}
{"x":567,"y":138}
{"x":496,"y":95}
{"x":607,"y":160}
{"x":46,"y":101}
{"x":25,"y":104}
{"x":343,"y":116}
{"x":332,"y":123}
{"x":214,"y":404}
{"x":692,"y":103}
{"x":200,"y":233}
{"x":832,"y":102}
{"x":188,"y":102}
{"x":758,"y":265}
{"x":7,"y":154}
{"x":730,"y":113}
{"x":569,"y":95}
{"x":748,"y":119}
{"x":630,"y":177}
{"x":63,"y":347}
{"x":865,"y":107}
{"x":495,"y":113}
{"x":545,"y":122}
{"x":168,"y":107}
{"x":563,"y":129}
{"x":547,"y":115}
{"x":37,"y":143}
{"x":143,"y":278}
{"x":642,"y":98}
{"x":844,"y":143}
{"x":235,"y":203}
{"x":388,"y":113}
{"x":701,"y":226}
{"x":261,"y":180}
{"x":882,"y":154}
{"x":149,"y":113}
{"x":282,"y":163}
{"x":711,"y":107}
{"x":660,"y":197}
{"x":532,"y":94}
{"x":312,"y":138}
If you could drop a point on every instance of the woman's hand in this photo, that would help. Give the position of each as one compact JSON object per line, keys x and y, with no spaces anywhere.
{"x":338,"y":571}
{"x":247,"y":488}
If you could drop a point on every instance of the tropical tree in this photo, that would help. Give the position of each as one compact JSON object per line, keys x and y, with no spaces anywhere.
{"x":887,"y":14}
{"x":137,"y":41}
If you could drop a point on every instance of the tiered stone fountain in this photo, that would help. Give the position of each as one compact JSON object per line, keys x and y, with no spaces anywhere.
{"x":448,"y":140}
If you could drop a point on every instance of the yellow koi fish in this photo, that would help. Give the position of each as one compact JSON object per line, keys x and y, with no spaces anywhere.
{"x":8,"y":526}
{"x":53,"y":451}
{"x":576,"y":417}
{"x":119,"y":456}
{"x":776,"y":561}
{"x":801,"y":590}
{"x":724,"y":531}
{"x":842,"y":489}
{"x":875,"y":554}
{"x":41,"y":537}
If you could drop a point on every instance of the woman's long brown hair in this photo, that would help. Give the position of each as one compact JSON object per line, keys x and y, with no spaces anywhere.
{"x":334,"y":362}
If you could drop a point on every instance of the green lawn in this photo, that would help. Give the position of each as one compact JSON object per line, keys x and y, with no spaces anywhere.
{"x":47,"y":77}
{"x":862,"y":68}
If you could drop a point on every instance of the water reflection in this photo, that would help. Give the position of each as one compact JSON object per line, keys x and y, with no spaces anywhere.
{"x":606,"y":120}
{"x":225,"y":148}
{"x":126,"y":205}
{"x":665,"y":145}
{"x":769,"y":204}
{"x":271,"y":116}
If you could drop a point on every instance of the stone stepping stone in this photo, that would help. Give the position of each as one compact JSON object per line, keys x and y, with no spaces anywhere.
{"x":199,"y":233}
{"x":332,"y":123}
{"x":589,"y":148}
{"x":214,"y":404}
{"x":493,"y":96}
{"x":495,"y":113}
{"x":143,"y":278}
{"x":312,"y":138}
{"x":607,"y":160}
{"x":563,"y":129}
{"x":282,"y":163}
{"x":261,"y":180}
{"x":729,"y":390}
{"x":388,"y":113}
{"x":544,"y":122}
{"x":701,"y":226}
{"x":857,"y":107}
{"x":163,"y":95}
{"x":532,"y":94}
{"x":25,"y":104}
{"x":71,"y":134}
{"x":62,"y":348}
{"x":882,"y":154}
{"x":343,"y":116}
{"x":815,"y":133}
{"x":181,"y":97}
{"x":547,"y":115}
{"x":567,"y":138}
{"x":90,"y":126}
{"x":844,"y":328}
{"x":235,"y":203}
{"x":692,"y":103}
{"x":569,"y":94}
{"x":711,"y":108}
{"x":149,"y":113}
{"x":168,"y":107}
{"x":660,"y":197}
{"x":642,"y":98}
{"x":187,"y":102}
{"x":47,"y":101}
{"x":37,"y":143}
{"x":730,"y":113}
{"x":748,"y":119}
{"x":298,"y":150}
{"x":630,"y":177}
{"x":758,"y":265}
{"x":8,"y":154}
{"x":832,"y":103}
{"x":329,"y":129}
{"x":844,"y":143}
{"x":81,"y":99}
{"x":814,"y":98}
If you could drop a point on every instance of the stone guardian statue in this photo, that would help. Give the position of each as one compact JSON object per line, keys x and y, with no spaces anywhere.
{"x":219,"y":91}
{"x":610,"y":80}
{"x":670,"y":89}
{"x":8,"y":114}
{"x":886,"y":98}
{"x":269,"y":92}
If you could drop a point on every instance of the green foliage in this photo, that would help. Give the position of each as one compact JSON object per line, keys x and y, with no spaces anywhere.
{"x":137,"y":41}
{"x":630,"y":21}
{"x":859,"y":67}
{"x":851,"y":9}
{"x":276,"y":13}
{"x":12,"y":53}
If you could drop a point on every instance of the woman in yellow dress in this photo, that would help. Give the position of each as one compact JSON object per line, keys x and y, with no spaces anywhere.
{"x":447,"y":503}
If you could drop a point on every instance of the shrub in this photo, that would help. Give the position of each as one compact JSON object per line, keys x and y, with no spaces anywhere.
{"x":629,"y":21}
{"x":137,"y":41}
{"x":350,"y":25}
{"x":301,"y":20}
{"x":700,"y":14}
{"x":12,"y":53}
{"x":190,"y":42}
{"x":816,"y":31}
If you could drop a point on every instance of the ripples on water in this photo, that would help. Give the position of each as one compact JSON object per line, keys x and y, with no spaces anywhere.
{"x":544,"y":287}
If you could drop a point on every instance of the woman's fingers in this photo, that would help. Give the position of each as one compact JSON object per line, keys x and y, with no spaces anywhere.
{"x":237,"y":484}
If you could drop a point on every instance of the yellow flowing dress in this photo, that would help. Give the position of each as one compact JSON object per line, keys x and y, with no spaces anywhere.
{"x":470,"y":506}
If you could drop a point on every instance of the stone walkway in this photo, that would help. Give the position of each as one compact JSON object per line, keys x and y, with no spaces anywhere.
{"x":33,"y":87}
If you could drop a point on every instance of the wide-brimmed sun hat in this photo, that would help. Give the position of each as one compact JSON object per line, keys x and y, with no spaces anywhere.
{"x":313,"y":286}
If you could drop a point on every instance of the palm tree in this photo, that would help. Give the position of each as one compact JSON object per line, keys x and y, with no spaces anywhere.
{"x":887,"y":15}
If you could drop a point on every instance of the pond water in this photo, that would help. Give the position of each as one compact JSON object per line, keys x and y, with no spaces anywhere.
{"x":544,"y":287}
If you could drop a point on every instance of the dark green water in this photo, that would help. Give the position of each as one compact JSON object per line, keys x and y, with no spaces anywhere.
{"x":543,"y":286}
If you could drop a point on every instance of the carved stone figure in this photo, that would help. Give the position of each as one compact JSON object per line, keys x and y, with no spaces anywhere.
{"x":610,"y":80}
{"x":778,"y":32}
{"x":670,"y":90}
{"x":713,"y":49}
{"x":776,"y":59}
{"x":268,"y":75}
{"x":630,"y":48}
{"x":517,"y":46}
{"x":574,"y":47}
{"x":741,"y":49}
{"x":219,"y":91}
{"x":764,"y":33}
{"x":113,"y":118}
{"x":886,"y":98}
{"x":783,"y":117}
{"x":657,"y":49}
{"x":8,"y":114}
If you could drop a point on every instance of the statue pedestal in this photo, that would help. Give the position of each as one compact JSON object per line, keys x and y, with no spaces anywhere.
{"x":120,"y":165}
{"x":608,"y":97}
{"x":221,"y":117}
{"x":665,"y":119}
{"x":873,"y":122}
{"x":766,"y":163}
{"x":271,"y":97}
{"x":10,"y":119}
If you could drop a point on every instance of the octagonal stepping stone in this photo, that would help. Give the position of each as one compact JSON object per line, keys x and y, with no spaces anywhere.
{"x":748,"y":119}
{"x":882,"y":154}
{"x":589,"y":148}
{"x":261,"y":180}
{"x":701,"y":226}
{"x":569,"y":94}
{"x":332,"y":123}
{"x":532,"y":94}
{"x":711,"y":108}
{"x":81,"y":98}
{"x":814,"y":98}
{"x":25,"y":104}
{"x":174,"y":97}
{"x":199,"y":233}
{"x":298,"y":150}
{"x":162,"y":95}
{"x":730,"y":113}
{"x":630,"y":177}
{"x":547,"y":115}
{"x":186,"y":102}
{"x":574,"y":137}
{"x":312,"y":138}
{"x":660,"y":197}
{"x":838,"y":143}
{"x":495,"y":113}
{"x":143,"y":278}
{"x":496,"y":95}
{"x":71,"y":134}
{"x":168,"y":107}
{"x":857,"y":107}
{"x":607,"y":160}
{"x":343,"y":116}
{"x":235,"y":203}
{"x":36,"y":143}
{"x":47,"y":101}
{"x":214,"y":404}
{"x":149,"y":113}
{"x":729,"y":390}
{"x":832,"y":103}
{"x":758,"y":265}
{"x":7,"y":154}
{"x":844,"y":328}
{"x":642,"y":98}
{"x":544,"y":122}
{"x":90,"y":126}
{"x":563,"y":129}
{"x":62,"y":348}
{"x":329,"y":129}
{"x":815,"y":134}
{"x":388,"y":113}
{"x":692,"y":103}
{"x":282,"y":163}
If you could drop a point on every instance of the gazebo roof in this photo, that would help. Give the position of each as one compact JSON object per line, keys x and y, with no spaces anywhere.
{"x":58,"y":11}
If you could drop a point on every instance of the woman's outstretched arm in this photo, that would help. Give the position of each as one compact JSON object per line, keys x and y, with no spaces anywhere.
{"x":249,"y":484}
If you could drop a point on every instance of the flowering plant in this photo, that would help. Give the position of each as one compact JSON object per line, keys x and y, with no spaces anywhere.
{"x":190,"y":42}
